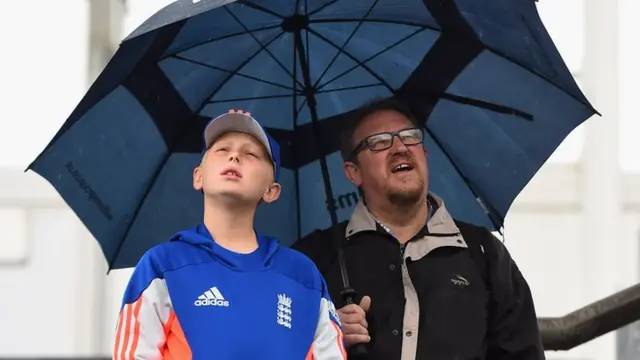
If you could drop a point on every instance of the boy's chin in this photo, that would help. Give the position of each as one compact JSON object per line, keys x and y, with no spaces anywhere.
{"x":234,"y":197}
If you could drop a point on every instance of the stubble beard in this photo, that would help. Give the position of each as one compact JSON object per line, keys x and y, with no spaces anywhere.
{"x":409,"y":194}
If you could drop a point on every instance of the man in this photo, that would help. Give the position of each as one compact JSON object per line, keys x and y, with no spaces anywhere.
{"x":432,"y":287}
{"x":219,"y":290}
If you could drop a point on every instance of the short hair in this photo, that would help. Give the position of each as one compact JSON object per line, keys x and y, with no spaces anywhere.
{"x":363,"y":112}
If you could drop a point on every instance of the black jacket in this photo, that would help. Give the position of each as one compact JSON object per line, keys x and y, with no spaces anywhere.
{"x":452,"y":293}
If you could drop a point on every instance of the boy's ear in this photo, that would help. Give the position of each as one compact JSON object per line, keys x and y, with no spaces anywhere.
{"x":272,"y":194}
{"x":197,"y":178}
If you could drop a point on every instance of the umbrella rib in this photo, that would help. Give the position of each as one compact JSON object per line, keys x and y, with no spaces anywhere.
{"x":370,"y":58}
{"x":450,"y":97}
{"x":179,"y":57}
{"x":263,"y":47}
{"x":302,"y":104}
{"x":346,"y":42}
{"x":383,"y":21}
{"x":355,"y":87}
{"x":226,"y":80}
{"x":296,"y":113}
{"x":225,"y":37}
{"x":259,"y":8}
{"x":321,"y":8}
{"x":486,"y":105}
{"x":266,"y":97}
{"x":490,"y":210}
{"x":371,"y":72}
{"x":306,"y":35}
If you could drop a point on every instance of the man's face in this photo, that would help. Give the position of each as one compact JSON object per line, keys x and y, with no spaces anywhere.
{"x":237,"y":167}
{"x":400,"y":173}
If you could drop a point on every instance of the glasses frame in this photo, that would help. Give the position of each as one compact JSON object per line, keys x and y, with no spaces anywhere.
{"x":364,"y":143}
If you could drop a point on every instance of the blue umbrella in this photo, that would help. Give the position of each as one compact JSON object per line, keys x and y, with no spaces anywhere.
{"x":484,"y":78}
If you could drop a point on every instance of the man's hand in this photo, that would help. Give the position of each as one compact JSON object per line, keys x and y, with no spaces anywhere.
{"x":354,"y":322}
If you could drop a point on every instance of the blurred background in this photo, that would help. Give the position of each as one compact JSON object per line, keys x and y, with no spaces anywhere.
{"x":574,"y":231}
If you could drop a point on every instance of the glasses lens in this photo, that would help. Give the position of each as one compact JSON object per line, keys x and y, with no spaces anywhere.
{"x":410,"y":136}
{"x":380,"y":142}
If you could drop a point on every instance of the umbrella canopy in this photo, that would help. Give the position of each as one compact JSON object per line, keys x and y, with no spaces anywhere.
{"x":484,"y":78}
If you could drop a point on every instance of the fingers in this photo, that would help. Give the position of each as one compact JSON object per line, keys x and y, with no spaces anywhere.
{"x":362,"y":308}
{"x":351,"y":340}
{"x":352,"y":309}
{"x":365,"y":303}
{"x":354,"y":329}
{"x":354,"y":322}
{"x":355,"y":319}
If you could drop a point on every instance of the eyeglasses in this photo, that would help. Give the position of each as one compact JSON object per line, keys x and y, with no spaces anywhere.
{"x":384,"y":141}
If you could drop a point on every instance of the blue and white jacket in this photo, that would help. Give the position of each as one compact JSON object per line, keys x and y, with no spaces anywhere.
{"x":190,"y":298}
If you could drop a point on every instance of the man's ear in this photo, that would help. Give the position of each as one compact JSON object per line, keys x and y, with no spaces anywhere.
{"x":272,"y":194}
{"x":197,"y":178}
{"x":352,"y":171}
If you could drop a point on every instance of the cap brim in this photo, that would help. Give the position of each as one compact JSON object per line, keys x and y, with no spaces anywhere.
{"x":235,"y":122}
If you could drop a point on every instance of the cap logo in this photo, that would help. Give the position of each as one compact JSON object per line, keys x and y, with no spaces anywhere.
{"x":232,"y":111}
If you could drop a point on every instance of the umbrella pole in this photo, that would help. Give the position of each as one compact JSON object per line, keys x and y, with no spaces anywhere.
{"x":348,"y":293}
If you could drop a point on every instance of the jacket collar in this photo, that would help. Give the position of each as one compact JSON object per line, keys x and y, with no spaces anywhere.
{"x":441,"y":229}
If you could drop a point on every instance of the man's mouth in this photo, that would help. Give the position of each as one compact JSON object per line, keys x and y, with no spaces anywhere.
{"x":403,"y":167}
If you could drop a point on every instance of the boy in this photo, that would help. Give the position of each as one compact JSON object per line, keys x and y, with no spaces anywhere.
{"x":219,"y":290}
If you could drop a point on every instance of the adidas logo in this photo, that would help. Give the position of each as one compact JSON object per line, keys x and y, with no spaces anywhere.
{"x":211,"y":297}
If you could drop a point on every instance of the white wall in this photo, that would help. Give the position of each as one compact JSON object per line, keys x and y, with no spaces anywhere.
{"x":49,"y":302}
{"x":545,"y":233}
{"x":630,"y":71}
{"x":43,"y":72}
{"x":43,"y":75}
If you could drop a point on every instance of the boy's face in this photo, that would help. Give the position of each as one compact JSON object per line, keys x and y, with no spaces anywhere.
{"x":237,"y":167}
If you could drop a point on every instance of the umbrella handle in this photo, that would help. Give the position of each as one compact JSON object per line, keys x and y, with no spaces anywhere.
{"x":358,"y":351}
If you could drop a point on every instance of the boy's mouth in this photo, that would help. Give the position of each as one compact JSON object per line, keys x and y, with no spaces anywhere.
{"x":232,"y":173}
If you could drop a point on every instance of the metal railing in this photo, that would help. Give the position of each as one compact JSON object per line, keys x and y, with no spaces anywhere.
{"x":591,"y":321}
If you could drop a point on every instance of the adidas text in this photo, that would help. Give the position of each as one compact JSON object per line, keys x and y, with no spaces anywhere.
{"x":211,"y":302}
